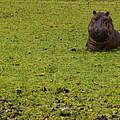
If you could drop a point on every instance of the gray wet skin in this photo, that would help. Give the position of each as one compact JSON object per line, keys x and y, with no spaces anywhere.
{"x":101,"y":29}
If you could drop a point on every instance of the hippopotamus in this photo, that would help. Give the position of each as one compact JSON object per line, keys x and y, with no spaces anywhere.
{"x":102,"y":35}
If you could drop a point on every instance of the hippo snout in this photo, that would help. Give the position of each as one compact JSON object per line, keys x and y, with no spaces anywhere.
{"x":99,"y":33}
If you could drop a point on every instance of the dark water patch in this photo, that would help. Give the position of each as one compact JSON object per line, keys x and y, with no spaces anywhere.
{"x":7,"y":105}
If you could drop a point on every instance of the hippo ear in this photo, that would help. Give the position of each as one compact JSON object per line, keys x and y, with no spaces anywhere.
{"x":107,"y":13}
{"x":94,"y":12}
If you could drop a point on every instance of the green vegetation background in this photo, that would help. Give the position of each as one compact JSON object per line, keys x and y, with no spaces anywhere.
{"x":45,"y":70}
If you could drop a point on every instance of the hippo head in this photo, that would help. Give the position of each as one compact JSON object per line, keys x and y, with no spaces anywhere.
{"x":100,"y":26}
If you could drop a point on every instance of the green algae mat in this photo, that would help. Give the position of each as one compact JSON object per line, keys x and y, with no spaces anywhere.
{"x":46,"y":72}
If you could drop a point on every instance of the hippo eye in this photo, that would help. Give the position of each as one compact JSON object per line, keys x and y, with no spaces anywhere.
{"x":105,"y":19}
{"x":95,"y":18}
